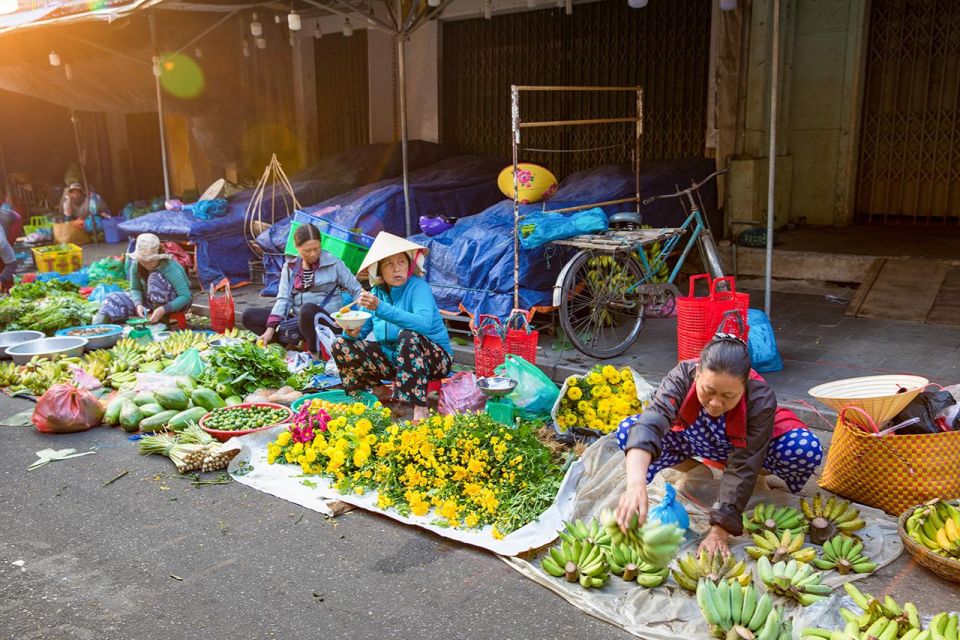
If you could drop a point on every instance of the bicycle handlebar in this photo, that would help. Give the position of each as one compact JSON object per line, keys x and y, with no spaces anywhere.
{"x":689,"y":189}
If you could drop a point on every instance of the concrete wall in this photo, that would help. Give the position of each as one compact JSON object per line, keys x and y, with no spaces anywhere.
{"x":821,"y":47}
{"x":823,"y":106}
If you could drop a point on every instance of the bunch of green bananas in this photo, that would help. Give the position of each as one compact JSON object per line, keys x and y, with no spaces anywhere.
{"x":843,"y":554}
{"x":826,"y":520}
{"x":125,"y":356}
{"x":179,"y":341}
{"x":796,"y":580}
{"x":589,"y":531}
{"x":906,"y":618}
{"x":786,"y":546}
{"x":741,"y":613}
{"x":710,"y":566}
{"x":9,"y":374}
{"x":936,"y":525}
{"x":627,"y":562}
{"x":944,"y":625}
{"x":657,"y":543}
{"x":577,"y":561}
{"x":41,"y":373}
{"x":608,"y":279}
{"x":776,"y":518}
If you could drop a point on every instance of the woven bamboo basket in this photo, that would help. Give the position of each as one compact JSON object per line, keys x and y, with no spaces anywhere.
{"x":946,"y":568}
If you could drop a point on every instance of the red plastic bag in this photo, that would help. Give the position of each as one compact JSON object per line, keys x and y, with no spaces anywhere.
{"x":460,"y":394}
{"x":222,"y":310}
{"x":66,"y":409}
{"x":179,"y":254}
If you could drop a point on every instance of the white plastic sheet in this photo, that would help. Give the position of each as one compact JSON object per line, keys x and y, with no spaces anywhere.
{"x":669,"y":612}
{"x":286,"y":481}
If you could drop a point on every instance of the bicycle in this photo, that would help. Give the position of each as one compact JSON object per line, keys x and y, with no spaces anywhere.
{"x":603,"y":291}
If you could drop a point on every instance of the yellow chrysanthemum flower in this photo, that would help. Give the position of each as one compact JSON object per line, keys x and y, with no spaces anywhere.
{"x":574,"y":393}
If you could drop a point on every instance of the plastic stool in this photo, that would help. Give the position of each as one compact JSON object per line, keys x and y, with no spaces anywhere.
{"x":179,"y":317}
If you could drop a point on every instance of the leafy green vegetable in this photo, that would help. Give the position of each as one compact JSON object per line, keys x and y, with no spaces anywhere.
{"x":246,"y":367}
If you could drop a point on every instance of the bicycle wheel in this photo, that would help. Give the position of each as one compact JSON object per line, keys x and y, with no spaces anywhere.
{"x":598,"y":314}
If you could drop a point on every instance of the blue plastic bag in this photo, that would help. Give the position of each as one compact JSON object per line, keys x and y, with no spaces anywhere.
{"x":535,"y":393}
{"x":538,"y":229}
{"x":762,"y":344}
{"x":209,"y":209}
{"x":670,"y":510}
{"x":101,"y":291}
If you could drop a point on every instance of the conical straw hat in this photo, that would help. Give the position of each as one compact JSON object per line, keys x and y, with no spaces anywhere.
{"x":386,"y":245}
{"x":881,"y":397}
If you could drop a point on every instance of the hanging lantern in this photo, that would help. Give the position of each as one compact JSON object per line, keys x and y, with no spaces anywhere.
{"x":261,"y":43}
{"x":347,"y":28}
{"x":256,"y":29}
{"x":54,"y":59}
{"x":637,"y":4}
{"x":293,"y":20}
{"x":728,"y":5}
{"x":317,"y":34}
{"x":276,"y":18}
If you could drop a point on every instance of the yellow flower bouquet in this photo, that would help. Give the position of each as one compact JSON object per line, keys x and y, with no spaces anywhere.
{"x":600,"y":400}
{"x":466,"y":469}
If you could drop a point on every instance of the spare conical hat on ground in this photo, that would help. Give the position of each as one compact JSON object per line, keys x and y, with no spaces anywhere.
{"x":386,"y":245}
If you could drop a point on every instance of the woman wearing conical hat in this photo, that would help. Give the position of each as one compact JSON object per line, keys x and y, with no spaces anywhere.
{"x":412,"y":346}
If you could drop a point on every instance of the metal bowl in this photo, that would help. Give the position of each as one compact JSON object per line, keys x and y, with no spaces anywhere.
{"x":103,"y":340}
{"x":68,"y":346}
{"x":13,"y":338}
{"x":496,"y":386}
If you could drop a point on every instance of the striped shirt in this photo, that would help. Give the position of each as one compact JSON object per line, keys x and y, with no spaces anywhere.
{"x":308,"y":278}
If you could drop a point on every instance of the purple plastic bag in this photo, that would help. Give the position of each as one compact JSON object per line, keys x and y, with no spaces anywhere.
{"x":460,"y":394}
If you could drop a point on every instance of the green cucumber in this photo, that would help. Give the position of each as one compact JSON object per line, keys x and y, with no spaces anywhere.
{"x":144,"y":397}
{"x":172,"y":399}
{"x":182,"y":420}
{"x":158,"y":421}
{"x":206,"y":398}
{"x":130,"y":416}
{"x":112,"y":414}
{"x":150,"y":410}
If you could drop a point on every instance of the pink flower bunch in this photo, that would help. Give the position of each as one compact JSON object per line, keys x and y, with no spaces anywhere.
{"x":524,"y":177}
{"x":305,"y":424}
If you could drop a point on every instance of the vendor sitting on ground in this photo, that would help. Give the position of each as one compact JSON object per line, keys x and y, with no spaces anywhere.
{"x":158,"y":286}
{"x":412,"y":346}
{"x":309,"y":293}
{"x":77,"y":204}
{"x":720,"y":410}
{"x":11,"y":227}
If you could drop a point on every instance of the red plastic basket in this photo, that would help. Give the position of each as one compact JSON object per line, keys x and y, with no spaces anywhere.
{"x":487,"y":344}
{"x":521,"y":341}
{"x":492,"y":341}
{"x":693,"y":319}
{"x":699,"y":317}
{"x":223,"y":436}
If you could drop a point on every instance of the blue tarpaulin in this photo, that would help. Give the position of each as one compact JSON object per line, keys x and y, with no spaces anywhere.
{"x":454,"y":187}
{"x":472,"y":263}
{"x":222,"y":250}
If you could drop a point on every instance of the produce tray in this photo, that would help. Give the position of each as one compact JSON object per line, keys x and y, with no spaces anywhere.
{"x":337,"y":396}
{"x":223,"y":436}
{"x":944,"y":567}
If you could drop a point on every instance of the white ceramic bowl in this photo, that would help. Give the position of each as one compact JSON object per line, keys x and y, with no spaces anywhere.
{"x":351,"y":319}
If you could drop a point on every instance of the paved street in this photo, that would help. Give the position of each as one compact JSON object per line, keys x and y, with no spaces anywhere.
{"x":99,"y":562}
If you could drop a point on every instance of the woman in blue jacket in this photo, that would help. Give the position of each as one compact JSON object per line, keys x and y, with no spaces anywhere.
{"x":412,"y":346}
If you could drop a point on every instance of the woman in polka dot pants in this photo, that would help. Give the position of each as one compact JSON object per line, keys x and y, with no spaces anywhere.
{"x":716,"y":408}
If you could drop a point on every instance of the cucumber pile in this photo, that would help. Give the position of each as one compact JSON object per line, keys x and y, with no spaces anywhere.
{"x":244,"y":418}
{"x":164,"y":409}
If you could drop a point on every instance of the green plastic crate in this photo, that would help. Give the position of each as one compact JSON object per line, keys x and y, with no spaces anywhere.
{"x":336,"y":396}
{"x":351,"y":254}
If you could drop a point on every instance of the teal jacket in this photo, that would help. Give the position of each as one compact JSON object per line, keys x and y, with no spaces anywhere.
{"x":411,"y":307}
{"x":174,"y":273}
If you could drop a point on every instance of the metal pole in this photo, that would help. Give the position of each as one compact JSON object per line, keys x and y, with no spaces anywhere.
{"x":515,"y":139}
{"x":402,"y":79}
{"x":74,"y":121}
{"x":636,"y":145}
{"x":772,"y":168}
{"x":156,"y":80}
